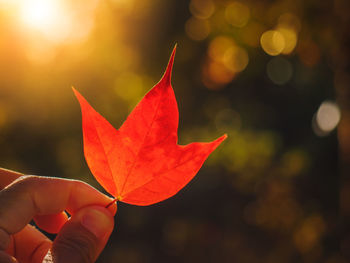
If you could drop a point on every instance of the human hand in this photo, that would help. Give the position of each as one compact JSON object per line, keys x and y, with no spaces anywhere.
{"x":79,"y":239}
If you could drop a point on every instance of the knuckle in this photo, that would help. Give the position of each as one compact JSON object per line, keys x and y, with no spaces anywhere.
{"x":26,"y":180}
{"x":18,"y":187}
{"x":80,"y":247}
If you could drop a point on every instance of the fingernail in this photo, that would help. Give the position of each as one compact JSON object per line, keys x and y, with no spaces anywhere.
{"x":98,"y":222}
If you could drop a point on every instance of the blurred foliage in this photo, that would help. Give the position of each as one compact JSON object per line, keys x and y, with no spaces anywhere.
{"x":270,"y":74}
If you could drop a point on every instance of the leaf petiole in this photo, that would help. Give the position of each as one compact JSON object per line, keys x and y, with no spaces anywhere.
{"x":114,"y":201}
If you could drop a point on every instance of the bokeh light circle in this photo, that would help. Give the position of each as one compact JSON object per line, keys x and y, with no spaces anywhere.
{"x":327,"y":118}
{"x":272,"y":42}
{"x":237,"y":14}
{"x":279,"y":70}
{"x":197,"y":29}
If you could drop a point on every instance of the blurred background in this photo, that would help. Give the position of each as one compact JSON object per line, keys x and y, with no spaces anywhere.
{"x":273,"y":75}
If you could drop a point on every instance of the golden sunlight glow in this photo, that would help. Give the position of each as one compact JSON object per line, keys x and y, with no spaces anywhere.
{"x":43,"y":15}
{"x":7,"y":5}
{"x":57,"y":21}
{"x":39,"y":13}
{"x":125,"y":5}
{"x":40,"y":51}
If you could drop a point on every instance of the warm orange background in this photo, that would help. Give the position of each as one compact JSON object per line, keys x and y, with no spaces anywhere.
{"x":273,"y":75}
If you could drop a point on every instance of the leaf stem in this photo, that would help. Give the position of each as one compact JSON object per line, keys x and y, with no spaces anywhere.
{"x":114,"y":201}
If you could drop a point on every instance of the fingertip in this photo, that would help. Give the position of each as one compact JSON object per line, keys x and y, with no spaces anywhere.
{"x":83,"y":194}
{"x":29,"y":245}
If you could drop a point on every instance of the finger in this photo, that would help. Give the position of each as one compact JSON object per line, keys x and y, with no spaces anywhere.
{"x":51,"y":223}
{"x":4,"y":240}
{"x":29,"y":245}
{"x":6,"y":258}
{"x":32,"y":195}
{"x":7,"y":177}
{"x":84,"y":236}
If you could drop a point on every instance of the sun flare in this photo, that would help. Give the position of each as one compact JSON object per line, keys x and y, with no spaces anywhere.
{"x":43,"y":15}
{"x":59,"y":21}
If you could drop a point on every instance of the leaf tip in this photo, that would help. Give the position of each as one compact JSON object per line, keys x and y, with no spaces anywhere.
{"x":76,"y":93}
{"x":172,"y":57}
{"x":167,"y":75}
{"x":219,"y":140}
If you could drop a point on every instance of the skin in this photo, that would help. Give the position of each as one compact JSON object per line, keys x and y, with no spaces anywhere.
{"x":80,"y":238}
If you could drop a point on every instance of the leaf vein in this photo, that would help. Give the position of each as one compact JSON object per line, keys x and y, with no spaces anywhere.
{"x":159,"y":174}
{"x":143,"y":141}
{"x":106,"y":156}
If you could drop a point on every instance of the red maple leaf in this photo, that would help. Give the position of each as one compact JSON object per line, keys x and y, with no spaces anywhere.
{"x":141,"y":163}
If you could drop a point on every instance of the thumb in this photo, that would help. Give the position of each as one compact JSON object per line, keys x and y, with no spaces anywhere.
{"x":84,"y":236}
